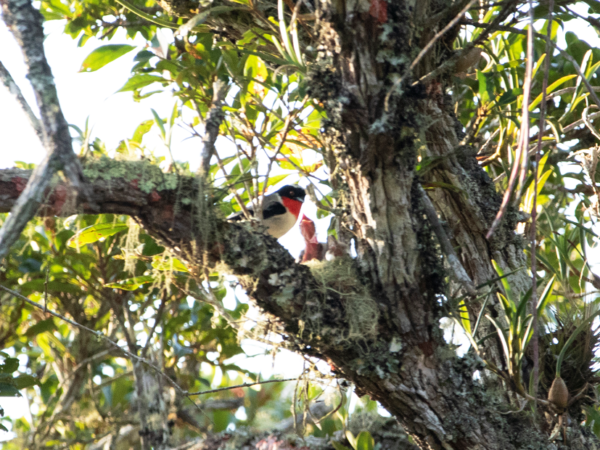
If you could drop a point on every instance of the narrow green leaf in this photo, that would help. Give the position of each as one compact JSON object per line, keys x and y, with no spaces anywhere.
{"x":551,"y":88}
{"x":95,"y":233}
{"x":501,"y":336}
{"x":131,"y":284}
{"x":505,"y":283}
{"x":170,"y":264}
{"x":481,"y":313}
{"x":507,"y":306}
{"x":351,"y":439}
{"x":547,"y":265}
{"x":526,"y":337}
{"x":537,"y":65}
{"x":141,"y":80}
{"x":464,"y":316}
{"x":283,"y":32}
{"x":159,"y":123}
{"x":586,"y":323}
{"x":543,"y":301}
{"x":521,"y":307}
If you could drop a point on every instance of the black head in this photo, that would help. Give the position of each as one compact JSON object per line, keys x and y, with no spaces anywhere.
{"x":293,"y":192}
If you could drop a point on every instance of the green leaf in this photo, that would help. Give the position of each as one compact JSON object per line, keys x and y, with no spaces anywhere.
{"x":139,"y":81}
{"x":507,"y":306}
{"x":339,"y":446}
{"x":169,"y":264}
{"x":481,"y":313}
{"x":505,"y":283}
{"x":141,"y":130}
{"x":131,"y":284}
{"x":585,"y":324}
{"x":365,"y":441}
{"x":551,"y":88}
{"x":9,"y":365}
{"x":8,"y":390}
{"x":486,"y":87}
{"x":148,"y":17}
{"x":509,"y":97}
{"x":104,"y":55}
{"x":507,"y":352}
{"x":255,"y":68}
{"x":543,"y":301}
{"x":144,"y":56}
{"x":221,"y":419}
{"x":41,"y":327}
{"x":351,"y":439}
{"x":464,"y":316}
{"x":25,"y":381}
{"x":159,"y":123}
{"x":95,"y":233}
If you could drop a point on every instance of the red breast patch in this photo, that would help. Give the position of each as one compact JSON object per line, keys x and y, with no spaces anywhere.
{"x":292,"y":206}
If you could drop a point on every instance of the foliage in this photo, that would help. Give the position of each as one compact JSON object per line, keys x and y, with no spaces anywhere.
{"x":105,"y":273}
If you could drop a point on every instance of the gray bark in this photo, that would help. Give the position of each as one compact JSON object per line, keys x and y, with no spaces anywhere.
{"x":376,"y":131}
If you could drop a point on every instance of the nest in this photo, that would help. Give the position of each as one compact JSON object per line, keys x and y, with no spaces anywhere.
{"x":361,"y":312}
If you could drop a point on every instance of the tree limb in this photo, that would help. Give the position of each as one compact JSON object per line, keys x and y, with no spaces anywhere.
{"x":25,"y":22}
{"x":13,"y":88}
{"x":212,"y":123}
{"x":134,"y":358}
{"x":457,"y":268}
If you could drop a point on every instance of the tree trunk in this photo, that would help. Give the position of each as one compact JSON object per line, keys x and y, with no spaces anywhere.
{"x":378,"y":132}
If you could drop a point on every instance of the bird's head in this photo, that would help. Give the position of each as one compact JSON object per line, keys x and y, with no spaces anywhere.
{"x":292,"y":192}
{"x":292,"y":197}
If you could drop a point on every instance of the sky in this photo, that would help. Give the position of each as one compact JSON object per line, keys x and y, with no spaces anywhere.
{"x":113,"y":117}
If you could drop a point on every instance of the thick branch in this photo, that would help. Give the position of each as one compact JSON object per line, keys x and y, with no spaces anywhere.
{"x":144,"y":192}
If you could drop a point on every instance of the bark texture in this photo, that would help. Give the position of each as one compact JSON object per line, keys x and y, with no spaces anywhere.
{"x":377,"y":132}
{"x":411,"y":373}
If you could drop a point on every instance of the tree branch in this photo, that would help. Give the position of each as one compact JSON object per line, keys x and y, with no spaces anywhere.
{"x":25,"y":22}
{"x":212,"y":123}
{"x":457,"y":268}
{"x":278,"y":281}
{"x":13,"y":88}
{"x":245,"y":385}
{"x":134,"y":358}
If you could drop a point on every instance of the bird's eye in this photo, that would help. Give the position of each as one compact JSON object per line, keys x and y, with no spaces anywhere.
{"x":291,"y":193}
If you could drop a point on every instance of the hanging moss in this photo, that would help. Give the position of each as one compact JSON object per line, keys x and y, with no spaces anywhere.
{"x":361,"y":311}
{"x":129,"y":246}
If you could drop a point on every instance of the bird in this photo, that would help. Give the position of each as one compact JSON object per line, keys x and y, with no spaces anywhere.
{"x":313,"y":249}
{"x":280,"y":210}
